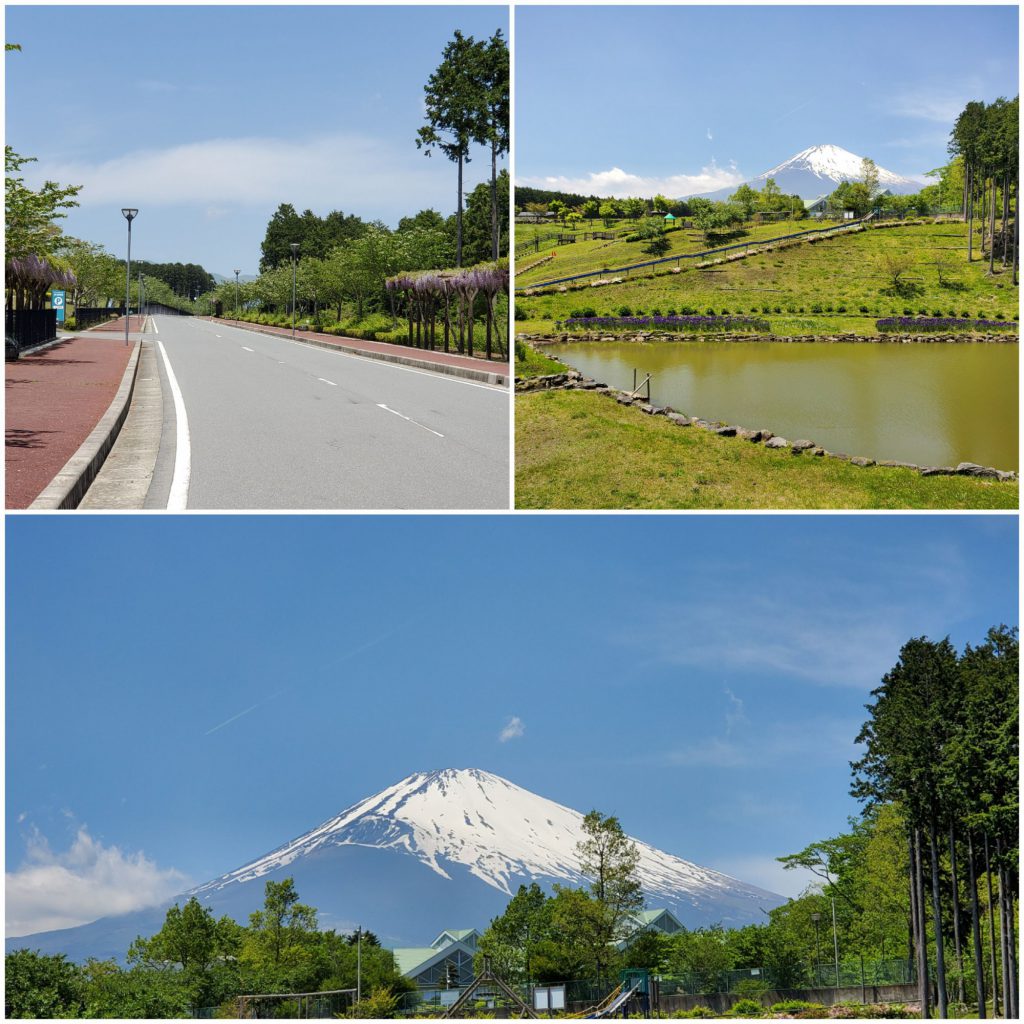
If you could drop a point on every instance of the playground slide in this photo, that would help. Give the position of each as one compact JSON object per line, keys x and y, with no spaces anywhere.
{"x":613,"y":1007}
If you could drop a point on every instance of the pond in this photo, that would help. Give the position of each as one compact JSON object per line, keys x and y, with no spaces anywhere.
{"x":931,"y":404}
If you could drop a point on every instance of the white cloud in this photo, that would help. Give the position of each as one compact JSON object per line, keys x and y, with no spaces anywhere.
{"x":617,"y":183}
{"x":60,"y":890}
{"x":767,"y":873}
{"x":514,"y":728}
{"x":710,"y":137}
{"x":735,"y":716}
{"x":330,"y":169}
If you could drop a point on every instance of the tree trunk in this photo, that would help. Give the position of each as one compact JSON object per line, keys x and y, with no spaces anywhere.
{"x":970,"y":214}
{"x":992,"y":228}
{"x":447,"y":318}
{"x":992,"y":933}
{"x":940,"y":954}
{"x":979,"y":967}
{"x":922,"y":946}
{"x":1006,"y":214}
{"x":1016,"y":227}
{"x":458,"y":219}
{"x":957,"y":948}
{"x":494,"y":200}
{"x":1008,"y":932}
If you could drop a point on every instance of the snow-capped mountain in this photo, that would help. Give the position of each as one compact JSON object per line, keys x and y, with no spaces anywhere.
{"x":440,"y":849}
{"x":816,"y":171}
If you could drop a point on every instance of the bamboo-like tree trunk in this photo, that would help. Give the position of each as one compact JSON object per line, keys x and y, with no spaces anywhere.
{"x":992,"y":933}
{"x":979,"y":967}
{"x":1004,"y":956}
{"x":494,"y":199}
{"x":970,"y":214}
{"x":458,"y":219}
{"x":940,"y":953}
{"x":1006,"y":214}
{"x":922,"y":945}
{"x":1016,"y":228}
{"x":957,"y":948}
{"x":992,"y":228}
{"x":447,"y":318}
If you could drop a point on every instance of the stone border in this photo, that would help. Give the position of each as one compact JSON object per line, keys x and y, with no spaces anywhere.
{"x":68,"y":487}
{"x":573,"y":380}
{"x":952,"y":338}
{"x":483,"y":376}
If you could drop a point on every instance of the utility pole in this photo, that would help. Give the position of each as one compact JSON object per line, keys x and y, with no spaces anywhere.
{"x":359,"y":964}
{"x":835,"y":939}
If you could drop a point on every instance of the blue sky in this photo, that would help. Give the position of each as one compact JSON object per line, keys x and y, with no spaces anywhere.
{"x":638,"y":100}
{"x":207,"y":117}
{"x":184,"y":695}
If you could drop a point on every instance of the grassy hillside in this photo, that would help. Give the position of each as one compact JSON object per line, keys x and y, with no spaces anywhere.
{"x":578,"y":450}
{"x":832,"y":285}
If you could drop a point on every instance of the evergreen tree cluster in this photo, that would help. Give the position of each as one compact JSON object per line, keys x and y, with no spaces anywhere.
{"x":941,"y":742}
{"x":987,"y":138}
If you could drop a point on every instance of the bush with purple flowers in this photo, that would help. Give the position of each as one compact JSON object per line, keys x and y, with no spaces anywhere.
{"x":942,"y":323}
{"x":695,"y":324}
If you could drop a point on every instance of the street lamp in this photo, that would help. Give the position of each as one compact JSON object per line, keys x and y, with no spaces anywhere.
{"x":140,"y":293}
{"x":294,"y":246}
{"x":816,"y":918}
{"x":129,"y":215}
{"x":359,"y":964}
{"x":237,"y":272}
{"x":835,"y":939}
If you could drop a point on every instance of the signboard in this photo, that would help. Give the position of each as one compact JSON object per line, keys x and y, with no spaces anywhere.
{"x":57,"y":302}
{"x":551,"y":997}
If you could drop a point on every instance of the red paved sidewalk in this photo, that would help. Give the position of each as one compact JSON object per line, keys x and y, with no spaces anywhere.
{"x":118,"y":325}
{"x":428,"y":356}
{"x":54,"y":400}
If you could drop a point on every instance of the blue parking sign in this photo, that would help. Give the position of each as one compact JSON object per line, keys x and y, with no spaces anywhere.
{"x":57,"y":302}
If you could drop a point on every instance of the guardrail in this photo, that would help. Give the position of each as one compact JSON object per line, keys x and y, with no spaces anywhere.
{"x":703,"y":254}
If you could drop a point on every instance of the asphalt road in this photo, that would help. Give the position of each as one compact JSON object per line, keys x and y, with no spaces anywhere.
{"x":276,"y":424}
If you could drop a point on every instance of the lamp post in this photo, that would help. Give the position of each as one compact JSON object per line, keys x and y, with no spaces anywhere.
{"x":140,"y":293}
{"x":359,"y":964}
{"x":129,"y":215}
{"x":294,"y":246}
{"x":835,"y":939}
{"x":237,"y":272}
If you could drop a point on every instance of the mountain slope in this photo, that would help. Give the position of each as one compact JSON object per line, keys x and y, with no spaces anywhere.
{"x":440,"y":849}
{"x":816,"y":171}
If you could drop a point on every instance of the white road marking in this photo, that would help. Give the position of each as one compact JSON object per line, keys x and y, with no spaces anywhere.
{"x":247,"y":349}
{"x":326,"y":381}
{"x":501,"y":389}
{"x":218,"y":335}
{"x":156,"y":329}
{"x":177,"y":499}
{"x":381,"y":405}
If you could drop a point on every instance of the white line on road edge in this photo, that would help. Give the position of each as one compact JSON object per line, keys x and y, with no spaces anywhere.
{"x":381,"y":405}
{"x":326,"y":381}
{"x":177,"y":500}
{"x":152,"y":320}
{"x":247,"y":349}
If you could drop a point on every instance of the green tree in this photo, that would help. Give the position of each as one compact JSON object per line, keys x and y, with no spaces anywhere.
{"x":869,"y":176}
{"x":749,"y":200}
{"x":493,"y":130}
{"x":36,"y":985}
{"x":29,"y":214}
{"x":455,"y":97}
{"x":512,"y":940}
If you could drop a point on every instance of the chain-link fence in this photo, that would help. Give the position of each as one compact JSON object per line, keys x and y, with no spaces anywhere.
{"x":750,"y":980}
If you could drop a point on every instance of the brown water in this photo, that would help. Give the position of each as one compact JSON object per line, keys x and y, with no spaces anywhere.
{"x":931,"y":404}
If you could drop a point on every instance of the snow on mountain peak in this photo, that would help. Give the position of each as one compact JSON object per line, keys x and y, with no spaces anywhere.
{"x":832,"y":163}
{"x":498,"y":831}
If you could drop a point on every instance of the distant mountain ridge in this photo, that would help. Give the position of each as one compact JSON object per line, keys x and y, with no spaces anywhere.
{"x":817,"y":171}
{"x":437,"y":850}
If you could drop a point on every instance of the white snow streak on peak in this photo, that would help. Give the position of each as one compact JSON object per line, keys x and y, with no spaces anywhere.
{"x":495,"y":829}
{"x":834,"y":163}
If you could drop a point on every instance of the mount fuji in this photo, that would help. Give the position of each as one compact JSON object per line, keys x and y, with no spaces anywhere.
{"x":441,"y":849}
{"x":818,"y":170}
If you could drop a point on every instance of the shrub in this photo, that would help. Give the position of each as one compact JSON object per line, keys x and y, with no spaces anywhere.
{"x":864,"y":309}
{"x":584,"y":312}
{"x":625,"y":311}
{"x":942,"y":323}
{"x":815,"y":308}
{"x":746,"y":1008}
{"x":520,"y":313}
{"x":794,"y":1006}
{"x":69,"y":323}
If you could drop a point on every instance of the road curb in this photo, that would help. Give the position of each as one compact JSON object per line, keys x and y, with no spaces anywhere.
{"x":483,"y":376}
{"x":68,"y":487}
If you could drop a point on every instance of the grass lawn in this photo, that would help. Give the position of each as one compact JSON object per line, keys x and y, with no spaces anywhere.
{"x":532,"y":363}
{"x":834,"y":285}
{"x":578,"y":450}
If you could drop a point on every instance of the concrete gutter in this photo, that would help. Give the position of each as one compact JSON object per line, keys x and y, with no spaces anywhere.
{"x":484,"y":376}
{"x":68,"y":487}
